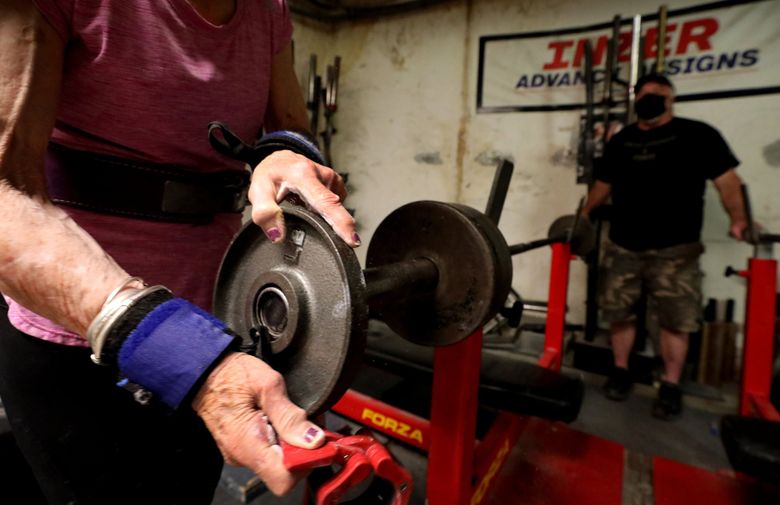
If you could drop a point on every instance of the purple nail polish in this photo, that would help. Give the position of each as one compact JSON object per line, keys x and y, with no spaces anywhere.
{"x":356,"y":238}
{"x":273,"y":234}
{"x":311,"y":434}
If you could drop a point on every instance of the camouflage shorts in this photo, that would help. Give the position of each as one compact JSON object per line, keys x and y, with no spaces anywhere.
{"x":670,"y":276}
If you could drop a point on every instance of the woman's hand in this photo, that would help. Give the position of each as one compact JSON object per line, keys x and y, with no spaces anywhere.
{"x":245,"y":406}
{"x":320,"y":187}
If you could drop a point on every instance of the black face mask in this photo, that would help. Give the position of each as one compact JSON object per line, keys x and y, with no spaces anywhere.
{"x":650,"y":106}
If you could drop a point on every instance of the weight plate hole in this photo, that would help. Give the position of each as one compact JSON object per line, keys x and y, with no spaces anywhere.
{"x":271,"y":310}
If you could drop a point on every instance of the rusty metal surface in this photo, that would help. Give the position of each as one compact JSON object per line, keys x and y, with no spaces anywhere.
{"x":500,"y":250}
{"x":305,"y":298}
{"x":397,"y":281}
{"x":473,"y":264}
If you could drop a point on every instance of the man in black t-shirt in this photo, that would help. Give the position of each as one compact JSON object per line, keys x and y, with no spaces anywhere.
{"x":655,"y":171}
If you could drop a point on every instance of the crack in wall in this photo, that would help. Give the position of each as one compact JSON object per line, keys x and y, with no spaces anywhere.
{"x":465,"y":116}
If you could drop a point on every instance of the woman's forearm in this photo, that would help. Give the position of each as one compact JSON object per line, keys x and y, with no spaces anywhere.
{"x":50,"y":265}
{"x":47,"y":263}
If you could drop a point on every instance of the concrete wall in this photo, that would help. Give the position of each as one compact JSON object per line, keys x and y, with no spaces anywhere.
{"x":408,"y":129}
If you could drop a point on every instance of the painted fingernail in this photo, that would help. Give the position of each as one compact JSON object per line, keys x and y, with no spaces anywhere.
{"x":356,"y":239}
{"x":311,"y":434}
{"x":271,"y":435}
{"x":273,"y":234}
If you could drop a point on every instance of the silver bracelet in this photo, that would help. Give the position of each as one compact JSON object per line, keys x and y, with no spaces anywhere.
{"x":122,"y":286}
{"x":114,"y":308}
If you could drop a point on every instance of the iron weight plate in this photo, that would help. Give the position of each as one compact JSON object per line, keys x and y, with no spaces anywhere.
{"x":583,"y":239}
{"x":471,"y":255}
{"x":500,"y":250}
{"x":307,"y":295}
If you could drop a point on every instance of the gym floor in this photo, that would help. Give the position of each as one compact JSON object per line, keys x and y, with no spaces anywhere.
{"x":693,"y":439}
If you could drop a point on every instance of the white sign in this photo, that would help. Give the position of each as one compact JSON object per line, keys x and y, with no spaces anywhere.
{"x":712,"y":51}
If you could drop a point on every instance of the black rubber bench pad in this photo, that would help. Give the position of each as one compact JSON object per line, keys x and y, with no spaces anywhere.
{"x":752,"y":446}
{"x":507,"y":381}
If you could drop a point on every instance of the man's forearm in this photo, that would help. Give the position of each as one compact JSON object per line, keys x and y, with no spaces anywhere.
{"x":729,"y":187}
{"x":734,"y":204}
{"x":597,"y":195}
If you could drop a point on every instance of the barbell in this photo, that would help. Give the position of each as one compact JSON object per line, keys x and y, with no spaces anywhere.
{"x":436,"y":272}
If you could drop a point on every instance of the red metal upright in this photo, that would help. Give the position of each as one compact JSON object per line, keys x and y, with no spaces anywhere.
{"x":454,"y":418}
{"x":380,"y":416}
{"x":556,"y":306}
{"x":462,"y":470}
{"x":758,"y":349}
{"x":492,"y":452}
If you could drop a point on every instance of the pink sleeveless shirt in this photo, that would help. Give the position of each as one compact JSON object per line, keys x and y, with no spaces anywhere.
{"x":142,"y":80}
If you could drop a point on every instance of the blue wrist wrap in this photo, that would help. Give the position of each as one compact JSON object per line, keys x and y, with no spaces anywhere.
{"x":172,"y":348}
{"x":285,"y":139}
{"x":231,"y":145}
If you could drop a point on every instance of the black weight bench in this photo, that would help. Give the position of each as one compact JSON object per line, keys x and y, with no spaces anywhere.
{"x":507,"y":381}
{"x":753,"y":446}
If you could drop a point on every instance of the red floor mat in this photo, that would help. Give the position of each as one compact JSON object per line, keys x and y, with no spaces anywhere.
{"x":676,"y":484}
{"x":554,"y":465}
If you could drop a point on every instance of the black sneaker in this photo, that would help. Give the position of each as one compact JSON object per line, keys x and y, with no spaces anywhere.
{"x":619,"y":384}
{"x":668,"y":405}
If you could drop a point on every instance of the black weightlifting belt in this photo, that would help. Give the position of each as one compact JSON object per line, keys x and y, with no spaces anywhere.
{"x":142,"y":190}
